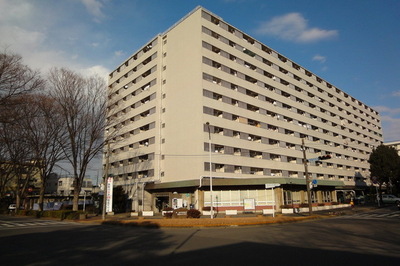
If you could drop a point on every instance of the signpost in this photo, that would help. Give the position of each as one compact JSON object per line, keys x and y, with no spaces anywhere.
{"x":314,"y":183}
{"x":272,"y":186}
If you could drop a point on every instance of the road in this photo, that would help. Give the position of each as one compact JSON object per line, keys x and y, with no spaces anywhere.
{"x":372,"y":239}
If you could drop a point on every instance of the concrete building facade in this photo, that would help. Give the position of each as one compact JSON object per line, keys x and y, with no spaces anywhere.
{"x":204,"y":81}
{"x":64,"y":185}
{"x":394,"y":144}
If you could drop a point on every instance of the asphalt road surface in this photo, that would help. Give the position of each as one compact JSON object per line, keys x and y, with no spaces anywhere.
{"x":372,"y":239}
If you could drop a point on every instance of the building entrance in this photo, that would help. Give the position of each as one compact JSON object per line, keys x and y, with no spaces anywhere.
{"x":162,"y":202}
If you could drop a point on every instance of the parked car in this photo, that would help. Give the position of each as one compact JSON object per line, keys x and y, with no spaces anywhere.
{"x":12,"y":208}
{"x":387,"y":198}
{"x":359,"y":199}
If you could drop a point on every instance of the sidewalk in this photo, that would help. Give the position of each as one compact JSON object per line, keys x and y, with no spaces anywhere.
{"x":220,"y":221}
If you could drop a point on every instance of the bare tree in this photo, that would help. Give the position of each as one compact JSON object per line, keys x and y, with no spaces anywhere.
{"x":16,"y":156}
{"x":45,"y":134}
{"x":83,"y":106}
{"x":15,"y":79}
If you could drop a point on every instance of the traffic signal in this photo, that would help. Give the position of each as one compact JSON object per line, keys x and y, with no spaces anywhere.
{"x":324,"y":157}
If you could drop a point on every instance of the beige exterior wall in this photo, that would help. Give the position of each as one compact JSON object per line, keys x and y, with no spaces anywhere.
{"x":183,"y":116}
{"x":394,"y":144}
{"x":259,"y":104}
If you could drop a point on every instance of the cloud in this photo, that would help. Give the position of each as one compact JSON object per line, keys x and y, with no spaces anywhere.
{"x":43,"y":42}
{"x":391,"y":128}
{"x":388,"y":110}
{"x":390,"y":118}
{"x":396,"y":94}
{"x":94,"y":7}
{"x":98,"y":70}
{"x":319,"y":58}
{"x":294,"y":27}
{"x":119,"y":53}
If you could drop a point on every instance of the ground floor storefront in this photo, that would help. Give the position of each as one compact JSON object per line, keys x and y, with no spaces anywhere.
{"x":242,"y":195}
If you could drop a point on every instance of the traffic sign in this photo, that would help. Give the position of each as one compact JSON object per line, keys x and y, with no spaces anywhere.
{"x":314,"y":181}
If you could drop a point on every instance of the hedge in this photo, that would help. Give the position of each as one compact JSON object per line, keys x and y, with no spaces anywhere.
{"x":62,"y":214}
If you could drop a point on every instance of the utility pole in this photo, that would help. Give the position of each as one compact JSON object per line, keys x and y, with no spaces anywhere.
{"x":305,"y":162}
{"x":211,"y":188}
{"x":105,"y":180}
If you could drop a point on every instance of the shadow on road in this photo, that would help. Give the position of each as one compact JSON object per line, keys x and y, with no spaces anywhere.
{"x":110,"y":245}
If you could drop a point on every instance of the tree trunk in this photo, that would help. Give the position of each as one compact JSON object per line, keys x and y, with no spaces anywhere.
{"x":41,"y":196}
{"x":380,"y":194}
{"x":75,"y":201}
{"x":17,"y":201}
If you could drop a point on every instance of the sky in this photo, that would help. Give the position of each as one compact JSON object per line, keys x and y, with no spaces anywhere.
{"x":353,"y":45}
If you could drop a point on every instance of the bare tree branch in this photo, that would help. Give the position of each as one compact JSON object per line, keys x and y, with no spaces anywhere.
{"x":83,"y":105}
{"x":16,"y":79}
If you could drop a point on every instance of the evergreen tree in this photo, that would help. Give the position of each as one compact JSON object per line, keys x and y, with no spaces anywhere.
{"x":385,"y":167}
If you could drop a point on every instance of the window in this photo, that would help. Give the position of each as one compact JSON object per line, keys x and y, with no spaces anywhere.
{"x":248,"y":65}
{"x":256,"y":171}
{"x":276,"y":172}
{"x":275,"y":157}
{"x":248,"y":52}
{"x":273,"y":142}
{"x":215,"y":20}
{"x":217,"y":113}
{"x":282,"y":58}
{"x":143,"y":158}
{"x":253,"y":108}
{"x":256,"y":154}
{"x":251,"y":93}
{"x":219,"y":149}
{"x":217,"y":96}
{"x":266,"y":49}
{"x":238,"y":169}
{"x":237,"y":151}
{"x":254,"y":138}
{"x":248,"y":39}
{"x":220,"y":168}
{"x":218,"y":130}
{"x":250,"y":79}
{"x":215,"y":35}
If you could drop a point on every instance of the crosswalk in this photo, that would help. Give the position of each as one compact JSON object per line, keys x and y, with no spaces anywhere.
{"x":28,"y":224}
{"x":376,"y":215}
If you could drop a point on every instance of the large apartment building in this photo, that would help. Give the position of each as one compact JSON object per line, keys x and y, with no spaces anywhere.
{"x":206,"y":83}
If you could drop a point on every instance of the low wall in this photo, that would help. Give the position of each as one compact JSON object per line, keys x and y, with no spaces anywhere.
{"x":317,"y":208}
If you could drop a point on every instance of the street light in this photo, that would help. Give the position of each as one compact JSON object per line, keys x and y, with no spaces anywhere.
{"x":105,"y":181}
{"x":307,"y":177}
{"x":211,"y":189}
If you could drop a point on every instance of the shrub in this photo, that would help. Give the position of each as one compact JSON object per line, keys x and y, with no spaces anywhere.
{"x":62,"y":214}
{"x":321,"y":204}
{"x":36,"y":214}
{"x":168,"y":212}
{"x":303,"y":205}
{"x":193,"y":213}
